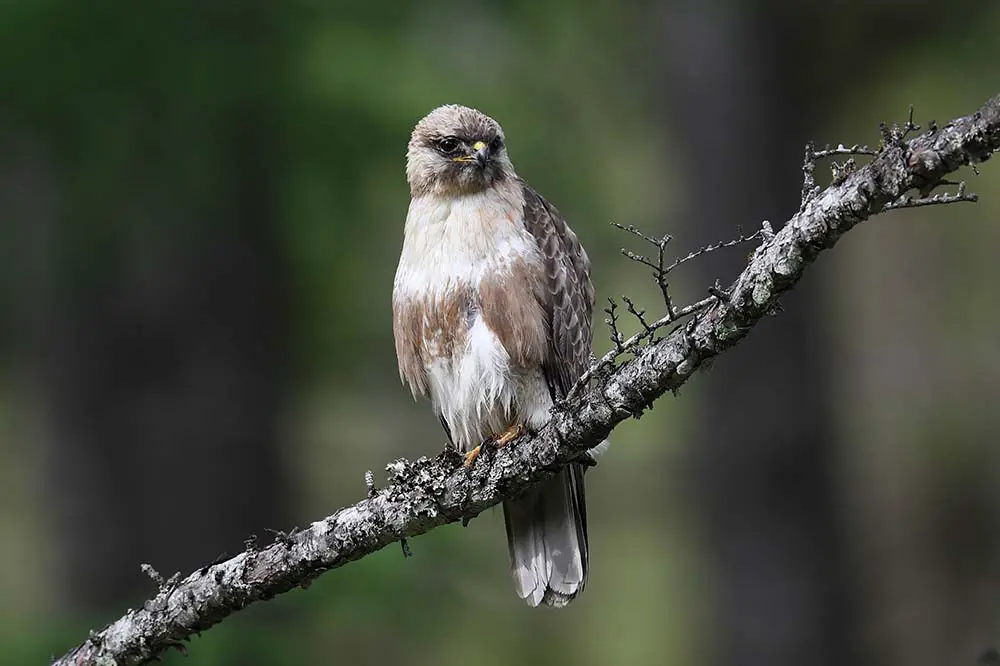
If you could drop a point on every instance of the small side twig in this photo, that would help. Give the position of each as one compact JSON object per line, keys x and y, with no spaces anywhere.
{"x":673,"y":313}
{"x":712,"y":248}
{"x":283,"y":537}
{"x":909,"y":126}
{"x":659,"y":273}
{"x":917,"y":202}
{"x":638,"y":314}
{"x":809,"y":189}
{"x":718,"y":292}
{"x":840,"y":171}
{"x":612,"y":322}
{"x":661,"y":269}
{"x":631,"y":343}
{"x":841,"y":149}
{"x":153,"y":574}
{"x":766,"y":231}
{"x":895,"y":134}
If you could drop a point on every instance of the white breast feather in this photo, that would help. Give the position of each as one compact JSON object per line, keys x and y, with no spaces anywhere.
{"x":457,"y":241}
{"x":452,"y":244}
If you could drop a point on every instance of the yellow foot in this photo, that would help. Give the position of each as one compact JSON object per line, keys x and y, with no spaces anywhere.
{"x":509,"y":435}
{"x":499,"y":441}
{"x":471,"y":456}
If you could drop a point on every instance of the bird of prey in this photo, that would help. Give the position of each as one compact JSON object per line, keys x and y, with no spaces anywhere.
{"x":492,"y":304}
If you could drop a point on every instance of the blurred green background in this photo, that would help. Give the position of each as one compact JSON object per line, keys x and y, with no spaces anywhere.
{"x":201,"y":207}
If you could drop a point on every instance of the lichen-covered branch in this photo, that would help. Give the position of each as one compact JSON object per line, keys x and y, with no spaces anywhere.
{"x":426,"y":493}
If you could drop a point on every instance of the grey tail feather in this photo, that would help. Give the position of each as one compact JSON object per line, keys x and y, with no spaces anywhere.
{"x":547,"y":538}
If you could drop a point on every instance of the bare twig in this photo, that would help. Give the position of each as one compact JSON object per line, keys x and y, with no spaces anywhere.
{"x":673,"y":314}
{"x":910,"y":126}
{"x":717,"y":291}
{"x":668,"y":302}
{"x":659,"y":274}
{"x":944,"y":198}
{"x":809,"y":189}
{"x":660,"y":271}
{"x":712,"y":248}
{"x":632,"y":343}
{"x":152,"y":573}
{"x":839,"y":172}
{"x":854,"y":150}
{"x":426,"y":493}
{"x":640,"y":315}
{"x":612,"y":322}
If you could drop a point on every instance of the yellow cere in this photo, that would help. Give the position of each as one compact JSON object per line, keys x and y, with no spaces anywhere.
{"x":478,"y":145}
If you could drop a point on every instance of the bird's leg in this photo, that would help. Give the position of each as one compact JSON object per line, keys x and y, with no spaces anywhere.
{"x":509,"y":435}
{"x":498,"y":441}
{"x":483,"y":448}
{"x":471,"y":456}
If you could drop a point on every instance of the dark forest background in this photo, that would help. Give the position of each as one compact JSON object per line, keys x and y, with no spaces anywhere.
{"x":201,"y":207}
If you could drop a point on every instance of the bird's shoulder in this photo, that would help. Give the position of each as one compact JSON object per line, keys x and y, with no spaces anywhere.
{"x":556,"y":241}
{"x":569,"y":295}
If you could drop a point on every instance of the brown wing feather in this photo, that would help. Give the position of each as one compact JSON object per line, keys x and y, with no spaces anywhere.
{"x":568,"y":295}
{"x":408,"y":332}
{"x":547,"y":527}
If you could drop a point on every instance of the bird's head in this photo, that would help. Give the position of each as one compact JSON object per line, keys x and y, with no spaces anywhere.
{"x":456,"y":150}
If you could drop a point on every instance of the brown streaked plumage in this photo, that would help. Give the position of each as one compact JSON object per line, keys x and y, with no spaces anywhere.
{"x":518,"y":322}
{"x":430,"y":326}
{"x":492,"y":306}
{"x":570,"y":298}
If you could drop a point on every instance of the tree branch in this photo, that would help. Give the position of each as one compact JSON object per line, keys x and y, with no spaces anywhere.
{"x":426,"y":493}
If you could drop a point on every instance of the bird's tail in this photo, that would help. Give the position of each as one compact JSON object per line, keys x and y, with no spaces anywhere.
{"x":547,"y":537}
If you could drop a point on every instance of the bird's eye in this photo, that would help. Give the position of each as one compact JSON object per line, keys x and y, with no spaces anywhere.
{"x":448,"y":145}
{"x":496,"y":144}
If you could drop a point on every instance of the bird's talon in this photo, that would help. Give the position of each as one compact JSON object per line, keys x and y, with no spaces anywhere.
{"x":510,"y":435}
{"x":471,"y":456}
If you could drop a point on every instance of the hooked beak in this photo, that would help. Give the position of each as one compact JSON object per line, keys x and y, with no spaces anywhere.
{"x":482,"y":153}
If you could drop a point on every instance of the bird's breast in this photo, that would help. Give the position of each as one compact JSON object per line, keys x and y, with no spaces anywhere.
{"x":449,"y":242}
{"x":471,"y":259}
{"x":468,"y":318}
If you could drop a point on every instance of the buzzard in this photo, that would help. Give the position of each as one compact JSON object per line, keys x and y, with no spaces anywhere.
{"x":492,"y":304}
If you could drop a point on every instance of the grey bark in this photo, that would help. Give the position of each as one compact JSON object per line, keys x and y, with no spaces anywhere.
{"x":427,"y":493}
